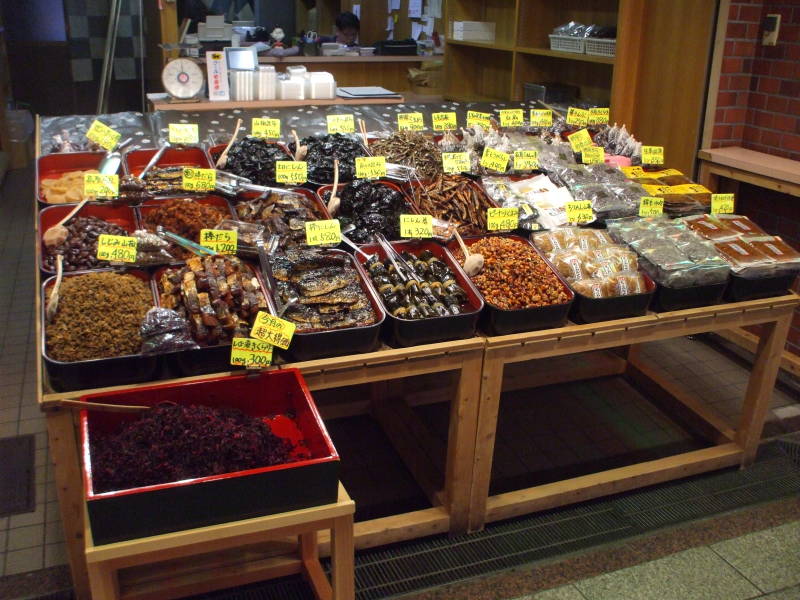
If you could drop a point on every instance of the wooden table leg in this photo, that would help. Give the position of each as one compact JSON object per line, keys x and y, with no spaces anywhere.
{"x":460,"y":442}
{"x":104,"y":582}
{"x":309,"y":554}
{"x":707,"y":178}
{"x":342,"y":558}
{"x":759,"y":388}
{"x":491,"y":388}
{"x":69,"y":486}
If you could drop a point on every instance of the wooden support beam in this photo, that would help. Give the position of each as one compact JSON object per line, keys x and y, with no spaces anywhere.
{"x":749,"y":341}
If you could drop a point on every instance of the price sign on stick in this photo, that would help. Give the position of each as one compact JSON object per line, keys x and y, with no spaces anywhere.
{"x":722,"y":204}
{"x":455,"y":162}
{"x":221,"y":241}
{"x":443,"y":121}
{"x":323,"y":232}
{"x":198,"y":180}
{"x":102,"y":135}
{"x":502,"y":219}
{"x":650,"y":206}
{"x":250,"y":352}
{"x":652,"y":155}
{"x":580,"y":140}
{"x":579,"y":212}
{"x":416,"y":226}
{"x":410,"y":121}
{"x":370,"y":167}
{"x":578,"y":117}
{"x":100,"y":186}
{"x":598,"y":116}
{"x":494,"y":160}
{"x":512,"y":117}
{"x":291,"y":171}
{"x":541,"y":117}
{"x":273,"y":330}
{"x":266,"y":128}
{"x":183,"y":133}
{"x":116,"y":248}
{"x":341,"y":124}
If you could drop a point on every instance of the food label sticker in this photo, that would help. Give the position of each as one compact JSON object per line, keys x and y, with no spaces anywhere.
{"x":199,"y":180}
{"x":502,"y":219}
{"x":370,"y":167}
{"x":598,"y":116}
{"x":442,"y":121}
{"x":101,"y":186}
{"x":593,"y":155}
{"x":579,"y":211}
{"x":116,"y":248}
{"x":416,"y":226}
{"x":722,"y":204}
{"x":266,"y":128}
{"x":651,"y":207}
{"x":479,"y":118}
{"x":578,"y":117}
{"x":526,"y":208}
{"x":102,"y":135}
{"x":494,"y":160}
{"x":541,"y":117}
{"x":291,"y":171}
{"x":455,"y":162}
{"x":341,"y":124}
{"x":273,"y":330}
{"x":580,"y":140}
{"x":512,"y":117}
{"x":221,"y":241}
{"x":184,"y":133}
{"x":323,"y":232}
{"x":652,"y":155}
{"x":250,"y":352}
{"x":410,"y":121}
{"x":526,"y":160}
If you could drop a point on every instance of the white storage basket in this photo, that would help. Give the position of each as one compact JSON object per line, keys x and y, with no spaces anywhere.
{"x":567,"y":43}
{"x":601,"y":46}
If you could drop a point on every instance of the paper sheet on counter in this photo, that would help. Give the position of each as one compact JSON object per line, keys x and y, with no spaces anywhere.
{"x":414,"y":9}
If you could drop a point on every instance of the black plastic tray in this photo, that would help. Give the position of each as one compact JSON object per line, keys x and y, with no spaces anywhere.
{"x":740,"y":289}
{"x":593,"y":310}
{"x":414,"y":332}
{"x":497,"y":321}
{"x":99,"y":372}
{"x":668,"y":299}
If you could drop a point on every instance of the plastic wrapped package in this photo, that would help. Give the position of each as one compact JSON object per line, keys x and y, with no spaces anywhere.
{"x":745,"y":259}
{"x":164,"y":330}
{"x":550,"y":205}
{"x":246,"y":233}
{"x":710,"y":228}
{"x":787,"y":259}
{"x":555,"y":240}
{"x":604,"y":173}
{"x":151,"y":250}
{"x":575,"y":175}
{"x":594,"y":288}
{"x":570,"y":264}
{"x":740,"y":224}
{"x":608,"y":201}
{"x":628,"y":283}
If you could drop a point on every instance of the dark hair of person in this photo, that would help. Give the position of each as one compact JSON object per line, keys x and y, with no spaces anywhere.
{"x":347,"y":20}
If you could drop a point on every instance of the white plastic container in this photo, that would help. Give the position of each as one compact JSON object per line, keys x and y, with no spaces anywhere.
{"x":291,"y":88}
{"x":320,"y":85}
{"x":296,"y":71}
{"x":242,"y":85}
{"x":266,"y":86}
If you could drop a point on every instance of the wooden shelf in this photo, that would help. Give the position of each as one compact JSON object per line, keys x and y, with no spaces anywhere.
{"x":606,"y":60}
{"x":484,"y":45}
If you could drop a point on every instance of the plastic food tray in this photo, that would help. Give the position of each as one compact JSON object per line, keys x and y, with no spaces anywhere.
{"x":152,"y":510}
{"x":216,"y":150}
{"x":593,"y":310}
{"x":567,"y":43}
{"x":55,"y":165}
{"x":98,"y":372}
{"x":740,"y":288}
{"x":413,"y":332}
{"x":124,"y":216}
{"x":601,"y":47}
{"x":498,"y":321}
{"x":136,"y":160}
{"x":668,"y":299}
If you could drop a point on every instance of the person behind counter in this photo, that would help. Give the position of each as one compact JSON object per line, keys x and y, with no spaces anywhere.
{"x":347,"y":28}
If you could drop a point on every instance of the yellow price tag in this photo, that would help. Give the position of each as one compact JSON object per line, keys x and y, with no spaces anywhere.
{"x":410,"y":121}
{"x":479,"y":118}
{"x":455,"y":162}
{"x":494,"y":160}
{"x":687,"y":188}
{"x":101,"y":186}
{"x":512,"y":117}
{"x":102,"y":135}
{"x":323,"y":232}
{"x":116,"y":248}
{"x":416,"y":226}
{"x":656,"y":190}
{"x":199,"y":180}
{"x":598,"y":116}
{"x":249,"y":352}
{"x":443,"y":121}
{"x":272,"y":330}
{"x":578,"y":117}
{"x":526,"y":160}
{"x":651,"y":207}
{"x":722,"y":204}
{"x":593,"y":155}
{"x":579,"y":211}
{"x":265,"y":128}
{"x":580,"y":140}
{"x":291,"y":171}
{"x":184,"y":133}
{"x":341,"y":124}
{"x":652,"y":155}
{"x":502,"y":219}
{"x":370,"y":167}
{"x":632,"y":172}
{"x":541,"y":117}
{"x":221,"y":241}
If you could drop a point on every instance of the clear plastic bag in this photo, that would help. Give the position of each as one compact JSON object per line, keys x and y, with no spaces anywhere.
{"x":164,"y":330}
{"x":745,"y":259}
{"x":151,"y":250}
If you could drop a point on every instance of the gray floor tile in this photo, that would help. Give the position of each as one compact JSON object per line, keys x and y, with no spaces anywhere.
{"x":32,"y":518}
{"x":23,"y":561}
{"x":55,"y":555}
{"x":769,"y":558}
{"x":25,"y":537}
{"x":792,"y":593}
{"x":696,"y":574}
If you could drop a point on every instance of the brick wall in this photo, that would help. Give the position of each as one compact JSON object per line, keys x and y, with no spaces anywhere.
{"x":758,"y":103}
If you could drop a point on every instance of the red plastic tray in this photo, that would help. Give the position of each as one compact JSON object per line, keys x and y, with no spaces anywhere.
{"x":55,"y":165}
{"x":209,"y":200}
{"x":136,"y":160}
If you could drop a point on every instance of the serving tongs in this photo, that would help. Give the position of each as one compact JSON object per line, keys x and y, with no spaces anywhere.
{"x":154,"y":159}
{"x":265,"y":253}
{"x":189,"y":245}
{"x":113,"y":159}
{"x":233,"y":185}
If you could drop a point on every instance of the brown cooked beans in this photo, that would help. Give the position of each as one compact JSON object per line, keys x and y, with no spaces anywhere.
{"x":514,"y":276}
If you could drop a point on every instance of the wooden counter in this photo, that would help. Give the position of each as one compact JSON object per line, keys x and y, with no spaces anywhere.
{"x":208,"y":105}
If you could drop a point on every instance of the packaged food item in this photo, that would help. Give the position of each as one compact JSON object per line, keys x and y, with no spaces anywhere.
{"x":628,"y":283}
{"x":554,"y":240}
{"x":710,"y":228}
{"x":570,"y":264}
{"x":745,"y":259}
{"x":622,"y":256}
{"x":786,"y":258}
{"x":588,"y":239}
{"x":739,"y":223}
{"x":594,"y":288}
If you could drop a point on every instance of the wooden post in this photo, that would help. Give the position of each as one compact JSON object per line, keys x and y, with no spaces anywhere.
{"x":342,"y":558}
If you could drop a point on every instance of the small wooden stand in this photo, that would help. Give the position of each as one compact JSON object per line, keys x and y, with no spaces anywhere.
{"x":195,"y":561}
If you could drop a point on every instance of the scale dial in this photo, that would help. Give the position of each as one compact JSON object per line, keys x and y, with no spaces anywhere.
{"x":182,"y":78}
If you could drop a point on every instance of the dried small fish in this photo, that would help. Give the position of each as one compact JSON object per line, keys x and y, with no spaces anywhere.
{"x":454,"y":198}
{"x":412,"y":149}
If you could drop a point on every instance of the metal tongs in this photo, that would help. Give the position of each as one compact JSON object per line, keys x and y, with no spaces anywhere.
{"x":265,"y":254}
{"x":232,"y":185}
{"x":184,"y":243}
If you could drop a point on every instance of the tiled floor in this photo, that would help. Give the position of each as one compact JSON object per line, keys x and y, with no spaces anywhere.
{"x":764,"y":564}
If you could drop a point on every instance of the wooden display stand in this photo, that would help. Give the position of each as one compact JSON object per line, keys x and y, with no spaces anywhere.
{"x":200,"y":560}
{"x":730,"y":446}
